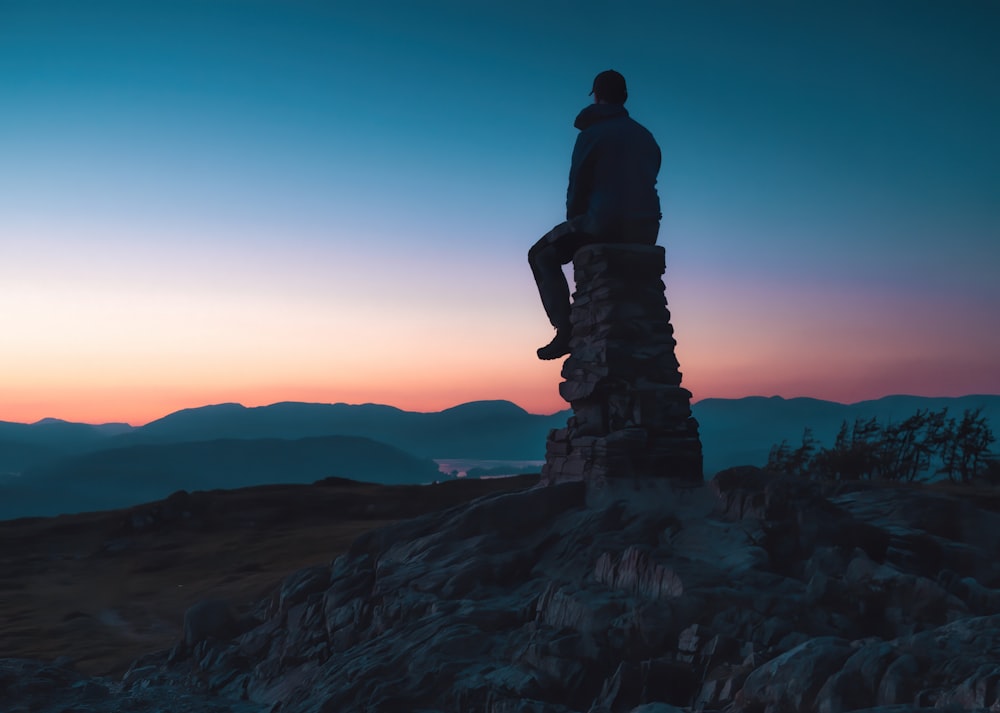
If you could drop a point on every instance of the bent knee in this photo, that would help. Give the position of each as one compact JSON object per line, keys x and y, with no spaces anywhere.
{"x":537,"y":252}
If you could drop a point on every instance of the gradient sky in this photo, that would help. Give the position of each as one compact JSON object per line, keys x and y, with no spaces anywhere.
{"x":206,"y":201}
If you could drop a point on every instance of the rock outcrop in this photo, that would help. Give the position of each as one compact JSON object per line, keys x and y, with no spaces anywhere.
{"x":631,"y":417}
{"x":750,"y":594}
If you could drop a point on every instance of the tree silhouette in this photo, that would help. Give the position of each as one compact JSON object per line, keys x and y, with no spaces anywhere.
{"x":783,"y":459}
{"x":903,"y":451}
{"x":906,"y":449}
{"x":966,"y":447}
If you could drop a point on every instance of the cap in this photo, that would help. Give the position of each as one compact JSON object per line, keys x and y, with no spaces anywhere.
{"x":609,"y":86}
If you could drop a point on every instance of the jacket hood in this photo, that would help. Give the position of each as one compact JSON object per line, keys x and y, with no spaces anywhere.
{"x":593,"y":113}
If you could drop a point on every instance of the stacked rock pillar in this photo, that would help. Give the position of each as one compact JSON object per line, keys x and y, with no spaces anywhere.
{"x":631,"y":418}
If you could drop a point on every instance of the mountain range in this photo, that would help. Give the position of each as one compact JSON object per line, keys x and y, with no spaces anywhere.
{"x":124,"y":476}
{"x":55,"y":466}
{"x":497,"y":430}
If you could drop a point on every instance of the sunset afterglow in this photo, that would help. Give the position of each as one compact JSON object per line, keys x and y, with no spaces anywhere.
{"x":218,"y":202}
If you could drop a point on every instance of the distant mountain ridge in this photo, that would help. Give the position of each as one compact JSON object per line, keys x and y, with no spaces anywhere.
{"x":480,"y":429}
{"x":498,"y":430}
{"x":119,"y":477}
{"x":23,"y":445}
{"x":733,"y":431}
{"x":52,"y":467}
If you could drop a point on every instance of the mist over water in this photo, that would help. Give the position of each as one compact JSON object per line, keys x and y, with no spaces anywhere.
{"x":493,"y":468}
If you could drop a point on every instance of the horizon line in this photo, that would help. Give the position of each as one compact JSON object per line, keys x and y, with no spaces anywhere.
{"x":475,"y":401}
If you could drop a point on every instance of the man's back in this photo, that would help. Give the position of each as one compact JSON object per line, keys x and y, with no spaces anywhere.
{"x":613,"y":172}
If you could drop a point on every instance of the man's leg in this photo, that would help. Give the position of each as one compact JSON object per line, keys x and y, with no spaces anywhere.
{"x":546,"y":257}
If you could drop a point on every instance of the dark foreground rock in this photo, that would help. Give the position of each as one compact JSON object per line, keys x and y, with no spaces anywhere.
{"x":749,"y":594}
{"x":35,"y":687}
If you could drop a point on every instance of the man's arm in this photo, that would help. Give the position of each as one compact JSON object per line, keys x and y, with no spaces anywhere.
{"x":580,"y":179}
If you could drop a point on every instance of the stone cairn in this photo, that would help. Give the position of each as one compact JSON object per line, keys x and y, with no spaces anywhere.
{"x":631,"y":418}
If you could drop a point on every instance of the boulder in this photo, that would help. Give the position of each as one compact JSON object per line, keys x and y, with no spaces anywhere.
{"x":209,"y":619}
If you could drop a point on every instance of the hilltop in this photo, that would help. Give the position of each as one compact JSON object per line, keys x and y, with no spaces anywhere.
{"x":103,"y":588}
{"x":750,"y":593}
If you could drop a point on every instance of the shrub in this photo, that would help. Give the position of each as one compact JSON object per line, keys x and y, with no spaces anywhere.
{"x":904,"y":451}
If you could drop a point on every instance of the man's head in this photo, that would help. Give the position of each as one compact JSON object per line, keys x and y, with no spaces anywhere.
{"x":609,"y":88}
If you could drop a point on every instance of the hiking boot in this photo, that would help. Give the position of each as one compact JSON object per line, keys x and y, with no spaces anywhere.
{"x":558,"y":347}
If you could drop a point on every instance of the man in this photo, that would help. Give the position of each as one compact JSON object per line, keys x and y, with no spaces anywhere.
{"x":611,"y":198}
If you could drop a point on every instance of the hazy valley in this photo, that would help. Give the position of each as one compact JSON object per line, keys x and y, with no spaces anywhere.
{"x":53,"y":467}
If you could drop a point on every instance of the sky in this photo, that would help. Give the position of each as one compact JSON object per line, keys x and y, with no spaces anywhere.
{"x":207,"y":201}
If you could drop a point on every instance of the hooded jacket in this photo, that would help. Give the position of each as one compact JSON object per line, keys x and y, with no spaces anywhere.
{"x":612,"y":178}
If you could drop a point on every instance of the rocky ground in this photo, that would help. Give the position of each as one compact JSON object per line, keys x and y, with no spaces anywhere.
{"x":751,"y":593}
{"x":95,"y":591}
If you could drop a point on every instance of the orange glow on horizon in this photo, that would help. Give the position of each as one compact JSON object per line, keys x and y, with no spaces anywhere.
{"x":140,"y":405}
{"x":537,"y":394}
{"x":135,"y":368}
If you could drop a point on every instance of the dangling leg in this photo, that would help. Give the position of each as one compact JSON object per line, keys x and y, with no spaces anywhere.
{"x":546,"y":257}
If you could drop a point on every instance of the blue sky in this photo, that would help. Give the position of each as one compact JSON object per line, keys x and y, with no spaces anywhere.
{"x":257,"y":201}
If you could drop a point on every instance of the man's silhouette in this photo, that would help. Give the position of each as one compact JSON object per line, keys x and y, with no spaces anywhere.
{"x":611,"y":198}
